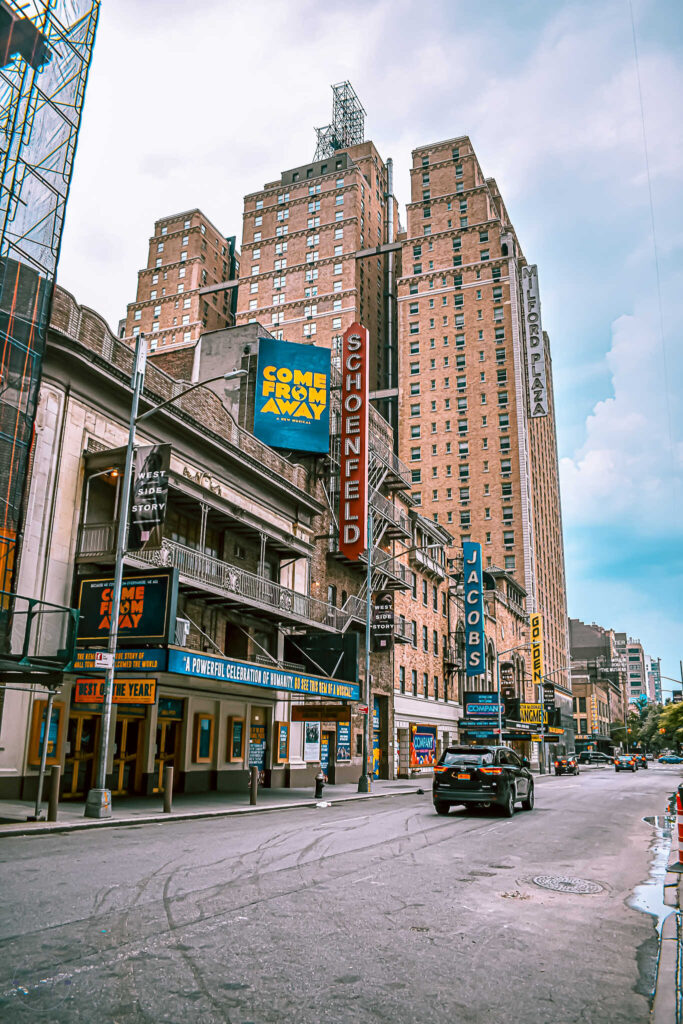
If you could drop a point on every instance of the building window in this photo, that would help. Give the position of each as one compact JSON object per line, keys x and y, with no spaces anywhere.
{"x":402,"y":677}
{"x":413,"y":679}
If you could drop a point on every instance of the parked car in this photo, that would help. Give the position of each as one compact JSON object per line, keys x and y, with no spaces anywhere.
{"x":567,"y":765}
{"x":594,"y":757}
{"x":671,"y":759}
{"x":649,"y":756}
{"x":625,"y":763}
{"x":482,"y":776}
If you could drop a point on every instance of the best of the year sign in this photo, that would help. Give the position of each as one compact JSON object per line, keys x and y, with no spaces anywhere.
{"x":292,"y":405}
{"x":355,"y":402}
{"x":475,"y":649}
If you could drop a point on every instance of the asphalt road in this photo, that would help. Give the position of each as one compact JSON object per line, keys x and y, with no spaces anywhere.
{"x":376,"y":912}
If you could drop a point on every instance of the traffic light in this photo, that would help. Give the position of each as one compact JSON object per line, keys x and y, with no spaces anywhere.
{"x":20,"y":36}
{"x":662,"y":731}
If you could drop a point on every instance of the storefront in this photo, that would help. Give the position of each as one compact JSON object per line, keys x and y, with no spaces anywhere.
{"x":210,"y":718}
{"x":422,"y":731}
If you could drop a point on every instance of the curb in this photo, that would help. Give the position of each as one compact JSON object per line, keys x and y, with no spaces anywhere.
{"x":48,"y":828}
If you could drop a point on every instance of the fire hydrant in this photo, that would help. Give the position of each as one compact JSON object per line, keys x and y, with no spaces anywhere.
{"x":319,"y":783}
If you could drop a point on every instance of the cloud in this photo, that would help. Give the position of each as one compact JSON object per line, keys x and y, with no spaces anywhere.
{"x":629,"y":470}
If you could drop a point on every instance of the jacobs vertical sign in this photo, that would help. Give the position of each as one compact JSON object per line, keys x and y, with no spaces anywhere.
{"x":474,"y":608}
{"x":535,"y":349}
{"x":353,"y":484}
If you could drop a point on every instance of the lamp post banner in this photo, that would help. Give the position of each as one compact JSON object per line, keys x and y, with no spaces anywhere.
{"x":536,"y":648}
{"x":149,"y":497}
{"x":355,"y":402}
{"x":475,"y":651}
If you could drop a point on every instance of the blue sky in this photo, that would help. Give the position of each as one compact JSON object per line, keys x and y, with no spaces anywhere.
{"x":197,"y":104}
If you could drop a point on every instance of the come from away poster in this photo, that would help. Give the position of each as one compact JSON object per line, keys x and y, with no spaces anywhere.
{"x":292,"y":401}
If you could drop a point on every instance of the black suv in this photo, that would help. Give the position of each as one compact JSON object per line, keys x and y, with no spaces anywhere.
{"x":566,"y":764}
{"x":484,"y":776}
{"x":594,"y":757}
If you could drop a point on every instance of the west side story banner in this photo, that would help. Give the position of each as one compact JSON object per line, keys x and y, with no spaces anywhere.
{"x":535,"y":349}
{"x":292,"y":402}
{"x":475,"y":659}
{"x":149,"y":497}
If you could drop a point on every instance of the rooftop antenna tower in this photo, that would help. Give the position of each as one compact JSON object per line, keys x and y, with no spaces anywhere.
{"x":348,"y":122}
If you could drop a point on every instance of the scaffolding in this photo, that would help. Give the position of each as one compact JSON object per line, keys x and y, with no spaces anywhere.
{"x":41,"y":99}
{"x":348,"y":122}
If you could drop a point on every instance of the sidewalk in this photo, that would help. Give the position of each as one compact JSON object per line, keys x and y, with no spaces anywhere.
{"x":187,"y":807}
{"x":667,"y":1006}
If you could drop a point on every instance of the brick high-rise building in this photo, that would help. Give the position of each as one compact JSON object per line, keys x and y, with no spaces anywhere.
{"x":305,"y":274}
{"x":475,"y":424}
{"x":188,"y":285}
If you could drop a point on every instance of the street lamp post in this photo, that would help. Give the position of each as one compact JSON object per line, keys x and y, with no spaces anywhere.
{"x":499,"y":655}
{"x":364,"y":780}
{"x":98,"y":803}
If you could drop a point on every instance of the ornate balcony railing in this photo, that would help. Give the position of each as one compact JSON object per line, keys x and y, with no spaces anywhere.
{"x":234,"y":583}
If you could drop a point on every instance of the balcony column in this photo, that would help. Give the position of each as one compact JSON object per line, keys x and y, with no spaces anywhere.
{"x":262,"y":555}
{"x":204,"y":511}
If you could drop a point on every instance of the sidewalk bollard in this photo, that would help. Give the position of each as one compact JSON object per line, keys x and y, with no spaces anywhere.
{"x":319,"y":784}
{"x":53,"y":798}
{"x":678,"y":865}
{"x":253,"y":785}
{"x":168,"y":788}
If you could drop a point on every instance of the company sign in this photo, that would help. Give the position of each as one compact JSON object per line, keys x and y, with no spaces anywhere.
{"x":475,"y":660}
{"x":536,"y":648}
{"x":535,"y":349}
{"x":480,"y":705}
{"x":149,"y":497}
{"x":292,"y":402}
{"x":422,"y":745}
{"x":147,"y":611}
{"x":355,"y":402}
{"x":228,"y":671}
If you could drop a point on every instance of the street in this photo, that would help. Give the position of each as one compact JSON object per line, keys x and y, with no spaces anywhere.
{"x":382,"y":912}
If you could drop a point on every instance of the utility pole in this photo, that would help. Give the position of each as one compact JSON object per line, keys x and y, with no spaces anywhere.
{"x":98,"y":803}
{"x":364,"y":780}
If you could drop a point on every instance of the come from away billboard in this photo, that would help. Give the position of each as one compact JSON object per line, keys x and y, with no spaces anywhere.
{"x":292,"y":400}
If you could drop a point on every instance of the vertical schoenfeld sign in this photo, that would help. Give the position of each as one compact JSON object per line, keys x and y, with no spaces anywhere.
{"x":536,"y":648}
{"x":475,"y":659}
{"x":535,"y":349}
{"x":353,"y":485}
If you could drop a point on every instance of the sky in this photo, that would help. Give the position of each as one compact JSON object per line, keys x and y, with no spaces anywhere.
{"x":195,"y":105}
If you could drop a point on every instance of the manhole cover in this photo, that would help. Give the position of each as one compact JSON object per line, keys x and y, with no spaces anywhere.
{"x":561,"y":883}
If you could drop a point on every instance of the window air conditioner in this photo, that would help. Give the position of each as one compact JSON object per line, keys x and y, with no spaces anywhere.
{"x":182,"y":631}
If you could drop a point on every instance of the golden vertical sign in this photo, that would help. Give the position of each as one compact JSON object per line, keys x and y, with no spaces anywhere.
{"x":536,"y":648}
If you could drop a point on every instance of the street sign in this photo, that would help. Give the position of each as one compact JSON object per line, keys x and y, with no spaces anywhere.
{"x":103,"y":659}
